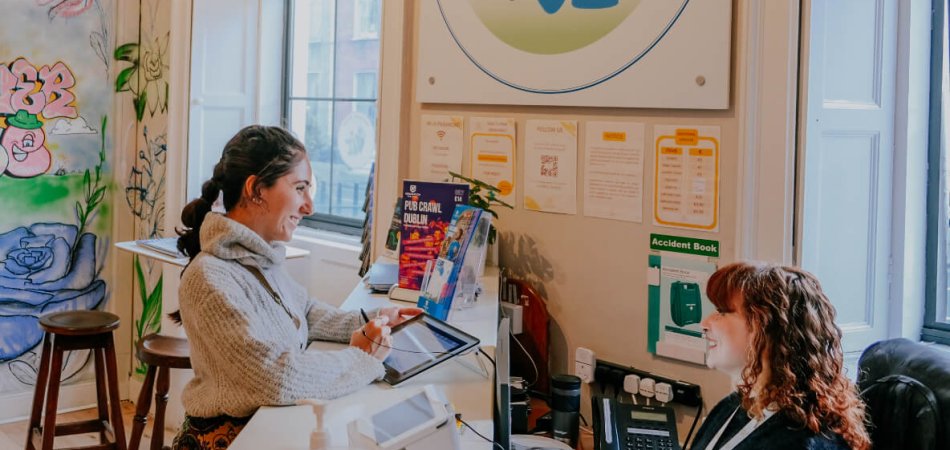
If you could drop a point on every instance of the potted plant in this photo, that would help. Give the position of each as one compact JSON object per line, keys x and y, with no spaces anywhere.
{"x":484,"y":196}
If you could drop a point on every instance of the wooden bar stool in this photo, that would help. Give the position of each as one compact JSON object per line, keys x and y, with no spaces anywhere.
{"x":160,"y":353}
{"x":77,"y":330}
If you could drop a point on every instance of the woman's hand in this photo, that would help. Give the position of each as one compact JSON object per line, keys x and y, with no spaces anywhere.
{"x":397,"y":315}
{"x":374,"y":338}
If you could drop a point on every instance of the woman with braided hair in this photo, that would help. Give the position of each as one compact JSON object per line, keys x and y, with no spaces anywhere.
{"x":248,"y":322}
{"x":774,"y":332}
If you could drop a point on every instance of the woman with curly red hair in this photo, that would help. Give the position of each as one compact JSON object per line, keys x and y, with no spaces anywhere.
{"x":774,"y":332}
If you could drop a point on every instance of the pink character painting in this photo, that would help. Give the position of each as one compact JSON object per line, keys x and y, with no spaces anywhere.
{"x":23,"y":143}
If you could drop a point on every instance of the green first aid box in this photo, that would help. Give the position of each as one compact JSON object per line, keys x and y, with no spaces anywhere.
{"x":685,"y":301}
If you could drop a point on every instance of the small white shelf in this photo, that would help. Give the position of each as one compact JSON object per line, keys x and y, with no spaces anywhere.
{"x":133,"y":247}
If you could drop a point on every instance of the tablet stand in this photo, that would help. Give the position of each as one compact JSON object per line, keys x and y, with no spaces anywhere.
{"x":481,"y":369}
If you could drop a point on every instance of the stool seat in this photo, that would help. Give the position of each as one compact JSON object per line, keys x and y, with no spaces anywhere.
{"x":164,"y":351}
{"x":79,"y":323}
{"x":160,"y":353}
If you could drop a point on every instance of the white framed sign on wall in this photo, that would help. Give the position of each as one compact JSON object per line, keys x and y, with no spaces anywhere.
{"x":614,"y":53}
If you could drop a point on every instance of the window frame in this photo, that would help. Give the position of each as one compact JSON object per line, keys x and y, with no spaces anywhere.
{"x":935,"y":330}
{"x":319,"y":220}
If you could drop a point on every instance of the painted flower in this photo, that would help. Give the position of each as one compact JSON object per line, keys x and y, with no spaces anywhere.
{"x":42,"y":270}
{"x":66,"y":8}
{"x":153,"y":84}
{"x":137,"y":194}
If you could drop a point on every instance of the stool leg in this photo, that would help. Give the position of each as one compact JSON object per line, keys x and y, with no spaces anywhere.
{"x":52,"y":400}
{"x":39,"y":393}
{"x":114,"y":401}
{"x":101,"y":399}
{"x":161,"y":399}
{"x":141,"y":409}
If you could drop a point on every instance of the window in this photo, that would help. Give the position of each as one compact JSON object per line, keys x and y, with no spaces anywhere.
{"x":332,"y":67}
{"x":366,"y":19}
{"x":364,"y":86}
{"x":937,"y":319}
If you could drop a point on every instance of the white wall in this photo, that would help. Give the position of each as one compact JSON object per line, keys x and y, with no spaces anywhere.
{"x":592,"y":271}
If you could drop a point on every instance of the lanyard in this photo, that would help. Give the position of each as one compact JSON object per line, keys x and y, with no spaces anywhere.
{"x":273,"y":293}
{"x":742,"y":434}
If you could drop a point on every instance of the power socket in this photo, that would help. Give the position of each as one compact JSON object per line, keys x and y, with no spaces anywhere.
{"x":584,"y":362}
{"x":515,"y":314}
{"x":688,"y":394}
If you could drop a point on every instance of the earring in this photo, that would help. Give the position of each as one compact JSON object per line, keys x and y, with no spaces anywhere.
{"x":256,"y":200}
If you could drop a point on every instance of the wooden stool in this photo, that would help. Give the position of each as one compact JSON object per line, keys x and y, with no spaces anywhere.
{"x":77,"y":330}
{"x":161,"y":353}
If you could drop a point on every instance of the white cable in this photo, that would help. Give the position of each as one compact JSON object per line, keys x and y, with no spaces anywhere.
{"x":535,"y":366}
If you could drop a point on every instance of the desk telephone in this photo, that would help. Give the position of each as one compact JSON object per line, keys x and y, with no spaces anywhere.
{"x":623,"y":426}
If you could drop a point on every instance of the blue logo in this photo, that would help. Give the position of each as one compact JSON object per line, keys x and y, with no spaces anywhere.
{"x":553,"y":6}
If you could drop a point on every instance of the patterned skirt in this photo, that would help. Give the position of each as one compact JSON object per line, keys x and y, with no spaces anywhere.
{"x":212,"y":433}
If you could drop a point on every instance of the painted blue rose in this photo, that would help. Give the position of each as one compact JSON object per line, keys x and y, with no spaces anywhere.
{"x":43,"y":269}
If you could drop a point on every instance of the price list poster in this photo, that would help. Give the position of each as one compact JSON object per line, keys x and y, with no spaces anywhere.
{"x":686,"y":177}
{"x":493,"y":153}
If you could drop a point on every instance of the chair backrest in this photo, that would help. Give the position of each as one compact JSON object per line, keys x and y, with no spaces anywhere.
{"x":906,"y":386}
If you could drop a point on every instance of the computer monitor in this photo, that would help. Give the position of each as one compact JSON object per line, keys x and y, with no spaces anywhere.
{"x":502,"y":412}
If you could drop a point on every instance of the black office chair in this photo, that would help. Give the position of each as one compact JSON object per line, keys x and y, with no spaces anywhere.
{"x":906,"y":386}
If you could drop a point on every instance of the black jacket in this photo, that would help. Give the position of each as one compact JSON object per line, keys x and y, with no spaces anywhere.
{"x":777,"y":433}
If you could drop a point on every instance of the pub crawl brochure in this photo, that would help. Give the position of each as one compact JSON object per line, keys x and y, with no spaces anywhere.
{"x":427,"y":209}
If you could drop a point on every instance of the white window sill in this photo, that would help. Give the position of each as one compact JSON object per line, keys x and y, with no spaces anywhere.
{"x":322,"y":237}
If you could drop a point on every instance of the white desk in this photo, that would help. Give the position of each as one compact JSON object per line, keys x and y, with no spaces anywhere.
{"x":134,"y":247}
{"x":470,"y":393}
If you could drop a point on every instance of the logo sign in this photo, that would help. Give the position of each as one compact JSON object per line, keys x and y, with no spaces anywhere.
{"x":356,"y":141}
{"x":679,"y":244}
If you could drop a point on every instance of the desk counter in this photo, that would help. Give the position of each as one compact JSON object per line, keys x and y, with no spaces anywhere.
{"x":466,"y":382}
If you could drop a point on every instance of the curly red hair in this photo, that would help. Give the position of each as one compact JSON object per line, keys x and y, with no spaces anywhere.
{"x":796,"y":349}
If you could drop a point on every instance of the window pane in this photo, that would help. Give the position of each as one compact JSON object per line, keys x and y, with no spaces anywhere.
{"x":333,"y":77}
{"x":312,"y":47}
{"x":311,"y":121}
{"x":354,"y":152}
{"x":357,"y":51}
{"x":366,"y":19}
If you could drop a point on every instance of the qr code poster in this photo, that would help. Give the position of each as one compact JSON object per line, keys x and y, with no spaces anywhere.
{"x":551,"y":166}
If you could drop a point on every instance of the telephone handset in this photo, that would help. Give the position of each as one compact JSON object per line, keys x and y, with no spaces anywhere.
{"x":622,"y":426}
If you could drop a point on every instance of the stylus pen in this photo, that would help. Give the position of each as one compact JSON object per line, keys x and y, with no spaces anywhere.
{"x":365,"y":317}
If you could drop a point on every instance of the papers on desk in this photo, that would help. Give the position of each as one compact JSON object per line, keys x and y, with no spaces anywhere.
{"x":166,"y":246}
{"x":381,"y":276}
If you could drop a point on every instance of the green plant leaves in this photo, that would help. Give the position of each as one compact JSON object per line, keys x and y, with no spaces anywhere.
{"x":122,"y":81}
{"x":127,"y":52}
{"x":484,"y":201}
{"x":139,"y":102}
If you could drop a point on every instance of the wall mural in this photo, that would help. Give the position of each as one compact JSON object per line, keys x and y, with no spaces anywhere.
{"x":144,"y":76}
{"x":55,"y":175}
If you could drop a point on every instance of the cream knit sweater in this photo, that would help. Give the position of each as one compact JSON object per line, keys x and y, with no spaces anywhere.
{"x":245,"y":350}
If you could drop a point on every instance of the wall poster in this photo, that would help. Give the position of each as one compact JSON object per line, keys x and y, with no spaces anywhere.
{"x":686,"y":177}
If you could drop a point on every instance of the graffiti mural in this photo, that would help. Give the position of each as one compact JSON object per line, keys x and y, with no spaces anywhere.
{"x":26,"y":93}
{"x":55,"y":175}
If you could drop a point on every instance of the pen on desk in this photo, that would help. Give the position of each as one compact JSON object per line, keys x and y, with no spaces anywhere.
{"x":363,"y":313}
